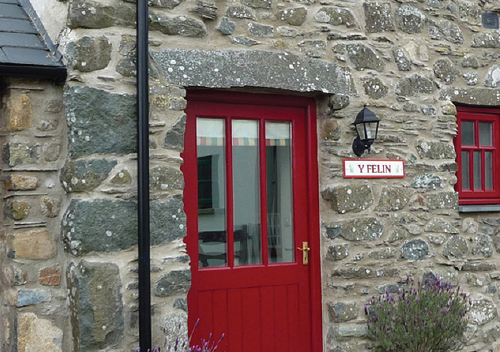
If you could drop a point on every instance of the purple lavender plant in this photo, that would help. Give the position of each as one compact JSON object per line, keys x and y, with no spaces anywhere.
{"x":429,"y":316}
{"x":182,"y":344}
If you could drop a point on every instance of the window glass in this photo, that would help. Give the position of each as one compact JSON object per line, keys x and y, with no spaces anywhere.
{"x":279,"y":192}
{"x":488,"y":170}
{"x":485,"y":134}
{"x":468,"y":133}
{"x":212,"y":234}
{"x":246,"y":190}
{"x":205,"y":182}
{"x":477,"y":171}
{"x":465,"y":171}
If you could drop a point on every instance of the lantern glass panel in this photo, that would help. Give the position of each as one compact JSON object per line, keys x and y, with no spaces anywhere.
{"x":360,"y":127}
{"x":371,"y":130}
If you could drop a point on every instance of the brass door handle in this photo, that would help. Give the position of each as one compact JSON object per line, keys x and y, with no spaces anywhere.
{"x":305,"y":252}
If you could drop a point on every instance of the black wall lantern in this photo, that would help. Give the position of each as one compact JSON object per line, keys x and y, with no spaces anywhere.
{"x":366,"y":125}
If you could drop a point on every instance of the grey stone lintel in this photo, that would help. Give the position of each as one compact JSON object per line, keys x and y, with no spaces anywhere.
{"x":472,"y":96}
{"x":252,"y":68}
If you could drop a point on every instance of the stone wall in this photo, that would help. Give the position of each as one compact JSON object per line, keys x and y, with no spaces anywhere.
{"x":410,"y":61}
{"x":99,"y":225}
{"x":34,"y":297}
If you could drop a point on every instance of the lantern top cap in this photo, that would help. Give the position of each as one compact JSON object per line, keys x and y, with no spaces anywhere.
{"x":366,"y":115}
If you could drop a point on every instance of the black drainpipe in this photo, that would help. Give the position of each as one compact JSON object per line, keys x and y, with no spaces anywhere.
{"x":143,"y":176}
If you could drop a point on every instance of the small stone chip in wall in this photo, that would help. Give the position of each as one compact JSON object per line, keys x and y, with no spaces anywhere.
{"x":294,"y":17}
{"x":16,"y":210}
{"x":19,"y":112}
{"x":85,"y":175}
{"x":415,"y":249}
{"x":51,"y":151}
{"x":15,"y":182}
{"x":90,"y":53}
{"x":34,"y":244}
{"x":226,"y":26}
{"x":175,"y":282}
{"x":206,"y":9}
{"x":410,"y":19}
{"x":36,"y":334}
{"x":483,"y":311}
{"x":446,"y":71}
{"x":335,"y":16}
{"x":20,"y":276}
{"x":456,"y":247}
{"x":338,"y":252}
{"x":348,"y":199}
{"x":240,"y":12}
{"x":341,"y":312}
{"x":16,"y":154}
{"x":122,"y":178}
{"x":50,"y":276}
{"x":31,"y":297}
{"x":94,"y":15}
{"x":258,"y":4}
{"x":50,"y":206}
{"x":364,"y":57}
{"x":378,"y":17}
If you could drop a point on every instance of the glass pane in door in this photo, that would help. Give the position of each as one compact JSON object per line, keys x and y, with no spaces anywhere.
{"x":246,"y":191}
{"x":212,"y":236}
{"x":279,"y":192}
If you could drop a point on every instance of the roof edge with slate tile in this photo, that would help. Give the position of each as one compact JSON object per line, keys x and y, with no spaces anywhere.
{"x":26,"y":50}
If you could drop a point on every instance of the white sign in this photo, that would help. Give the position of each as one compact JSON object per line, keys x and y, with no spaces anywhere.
{"x":366,"y":168}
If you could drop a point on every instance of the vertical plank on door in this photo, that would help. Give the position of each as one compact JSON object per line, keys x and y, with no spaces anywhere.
{"x":281,"y":318}
{"x":234,"y":328}
{"x":294,"y":317}
{"x":267,"y":317}
{"x":220,"y":317}
{"x":251,"y":319}
{"x":205,"y":325}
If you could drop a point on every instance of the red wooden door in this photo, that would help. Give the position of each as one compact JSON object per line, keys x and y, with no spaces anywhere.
{"x":251,"y":201}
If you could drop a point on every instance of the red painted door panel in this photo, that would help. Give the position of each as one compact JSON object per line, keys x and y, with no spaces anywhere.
{"x":251,"y":201}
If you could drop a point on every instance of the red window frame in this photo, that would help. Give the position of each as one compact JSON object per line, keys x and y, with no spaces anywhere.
{"x":482,"y":195}
{"x":296,"y":134}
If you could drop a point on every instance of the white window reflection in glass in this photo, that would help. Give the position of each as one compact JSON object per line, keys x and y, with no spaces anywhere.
{"x":246,"y":192}
{"x":279,"y":192}
{"x":212,"y":235}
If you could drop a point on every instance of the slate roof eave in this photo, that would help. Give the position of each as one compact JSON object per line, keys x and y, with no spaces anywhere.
{"x":26,"y":50}
{"x":57,"y":74}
